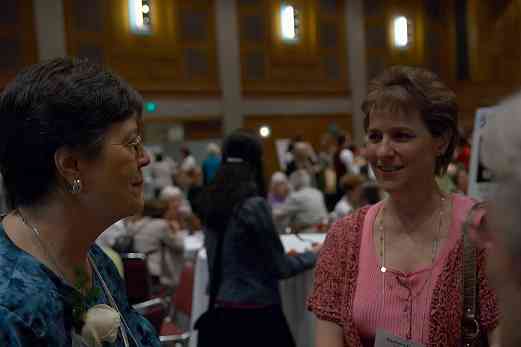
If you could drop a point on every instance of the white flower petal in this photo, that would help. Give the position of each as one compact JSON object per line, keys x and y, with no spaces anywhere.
{"x":101,"y":324}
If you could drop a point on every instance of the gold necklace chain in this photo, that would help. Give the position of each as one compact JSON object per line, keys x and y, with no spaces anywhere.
{"x":435,"y":242}
{"x":49,"y":255}
{"x":61,"y":274}
{"x":383,"y":268}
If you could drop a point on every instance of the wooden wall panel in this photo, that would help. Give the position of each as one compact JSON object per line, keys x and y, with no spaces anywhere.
{"x":310,"y":127}
{"x":495,"y":40}
{"x":316,"y":65}
{"x":194,"y":127}
{"x":17,"y":38}
{"x":434,"y":41}
{"x":179,"y":57}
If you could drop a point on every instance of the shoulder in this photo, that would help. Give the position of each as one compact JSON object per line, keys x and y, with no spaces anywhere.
{"x":156,"y":224}
{"x":31,"y":299}
{"x":253,"y":204}
{"x":344,"y":236}
{"x":110,"y":274}
{"x":349,"y":224}
{"x":253,"y":208}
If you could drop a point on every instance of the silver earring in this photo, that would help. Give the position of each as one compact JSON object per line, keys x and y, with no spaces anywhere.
{"x":75,"y":186}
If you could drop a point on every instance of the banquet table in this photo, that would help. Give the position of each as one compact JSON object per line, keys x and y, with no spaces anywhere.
{"x":294,"y":292}
{"x":193,"y":243}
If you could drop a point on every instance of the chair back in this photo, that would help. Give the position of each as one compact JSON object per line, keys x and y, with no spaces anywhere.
{"x":137,"y":277}
{"x":184,"y":292}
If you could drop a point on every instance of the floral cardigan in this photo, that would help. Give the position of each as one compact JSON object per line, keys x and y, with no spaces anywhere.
{"x":335,"y":285}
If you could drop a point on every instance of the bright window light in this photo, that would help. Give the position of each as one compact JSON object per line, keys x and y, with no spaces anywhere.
{"x":139,"y":15}
{"x":401,"y":35}
{"x":265,"y":131}
{"x":287,"y":17}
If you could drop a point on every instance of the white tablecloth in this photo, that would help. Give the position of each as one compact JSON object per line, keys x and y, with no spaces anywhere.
{"x":294,"y":292}
{"x":193,"y":243}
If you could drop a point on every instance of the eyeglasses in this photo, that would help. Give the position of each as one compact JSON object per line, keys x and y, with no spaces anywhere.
{"x":135,"y":145}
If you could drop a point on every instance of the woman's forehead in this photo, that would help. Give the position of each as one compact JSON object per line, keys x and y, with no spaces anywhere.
{"x":395,"y":117}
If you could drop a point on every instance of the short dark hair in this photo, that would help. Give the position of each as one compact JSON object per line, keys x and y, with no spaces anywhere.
{"x":405,"y":88}
{"x":240,"y":176}
{"x":63,"y":102}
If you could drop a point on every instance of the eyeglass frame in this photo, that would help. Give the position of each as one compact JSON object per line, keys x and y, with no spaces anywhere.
{"x":135,"y":145}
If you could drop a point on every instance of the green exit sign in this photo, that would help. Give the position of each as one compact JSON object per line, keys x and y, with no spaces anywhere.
{"x":150,"y":106}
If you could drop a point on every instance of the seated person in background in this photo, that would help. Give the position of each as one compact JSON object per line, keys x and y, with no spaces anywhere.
{"x":304,"y":208}
{"x":108,"y":237}
{"x":278,"y":194}
{"x":351,"y":185}
{"x":177,"y":204}
{"x":304,"y":158}
{"x":279,"y":189}
{"x":161,"y":240}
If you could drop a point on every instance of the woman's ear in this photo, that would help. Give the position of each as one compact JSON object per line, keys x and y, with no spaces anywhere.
{"x":442,"y":142}
{"x":67,"y":165}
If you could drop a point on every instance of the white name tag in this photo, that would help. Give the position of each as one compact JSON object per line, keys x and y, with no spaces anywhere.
{"x":385,"y":339}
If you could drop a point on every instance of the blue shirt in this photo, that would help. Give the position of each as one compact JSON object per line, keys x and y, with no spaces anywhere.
{"x":210,"y":166}
{"x":36,"y":305}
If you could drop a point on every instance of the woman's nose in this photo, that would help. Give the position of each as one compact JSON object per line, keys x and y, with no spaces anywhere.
{"x":385,"y":148}
{"x":144,"y":159}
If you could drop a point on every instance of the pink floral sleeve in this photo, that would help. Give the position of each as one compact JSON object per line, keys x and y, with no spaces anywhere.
{"x":336,"y":270}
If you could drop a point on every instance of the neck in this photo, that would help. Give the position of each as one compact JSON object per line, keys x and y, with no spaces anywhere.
{"x":66,"y":232}
{"x":415,"y":205}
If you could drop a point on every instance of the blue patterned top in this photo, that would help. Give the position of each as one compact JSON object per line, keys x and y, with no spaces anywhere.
{"x":35,"y":304}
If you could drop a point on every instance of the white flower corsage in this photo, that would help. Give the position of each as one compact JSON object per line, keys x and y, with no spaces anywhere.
{"x":102,"y":324}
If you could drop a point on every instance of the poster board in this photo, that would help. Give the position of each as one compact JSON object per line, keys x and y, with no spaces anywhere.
{"x":480,"y":178}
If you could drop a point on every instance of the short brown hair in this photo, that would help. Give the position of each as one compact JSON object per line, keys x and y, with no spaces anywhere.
{"x":404,"y":89}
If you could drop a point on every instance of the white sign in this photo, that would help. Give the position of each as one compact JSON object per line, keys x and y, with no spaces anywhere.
{"x":480,"y":178}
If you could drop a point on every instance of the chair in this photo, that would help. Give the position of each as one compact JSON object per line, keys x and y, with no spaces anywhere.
{"x":137,"y":277}
{"x":175,"y":331}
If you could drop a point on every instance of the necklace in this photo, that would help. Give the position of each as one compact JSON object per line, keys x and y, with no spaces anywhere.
{"x":383,"y":268}
{"x":61,"y":274}
{"x":435,"y":242}
{"x":124,"y":327}
{"x":48,"y":254}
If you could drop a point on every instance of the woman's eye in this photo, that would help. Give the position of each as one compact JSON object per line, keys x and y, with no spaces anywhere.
{"x":374,"y":137}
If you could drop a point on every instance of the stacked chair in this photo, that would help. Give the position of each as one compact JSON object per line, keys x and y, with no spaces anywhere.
{"x":170,"y":314}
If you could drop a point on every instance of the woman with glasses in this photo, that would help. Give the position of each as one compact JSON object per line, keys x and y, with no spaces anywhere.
{"x":391,"y":273}
{"x":71,"y":156}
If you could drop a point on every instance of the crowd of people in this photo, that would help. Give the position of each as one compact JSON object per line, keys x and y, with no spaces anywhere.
{"x":399,"y":227}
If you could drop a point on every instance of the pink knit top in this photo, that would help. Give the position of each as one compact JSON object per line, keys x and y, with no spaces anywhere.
{"x":349,"y":291}
{"x":395,"y":301}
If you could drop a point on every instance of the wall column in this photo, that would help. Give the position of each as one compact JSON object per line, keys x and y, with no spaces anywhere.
{"x":357,"y":62}
{"x":50,"y":28}
{"x":229,"y":64}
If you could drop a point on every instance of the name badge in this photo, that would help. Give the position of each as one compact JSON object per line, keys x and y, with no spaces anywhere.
{"x":385,"y":339}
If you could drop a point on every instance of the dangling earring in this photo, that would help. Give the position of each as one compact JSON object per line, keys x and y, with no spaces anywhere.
{"x":75,"y":186}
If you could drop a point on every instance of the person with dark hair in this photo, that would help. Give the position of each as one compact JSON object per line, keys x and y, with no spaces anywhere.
{"x":369,"y":194}
{"x":252,"y":260}
{"x":351,"y":186}
{"x":71,"y":155}
{"x":393,"y":270}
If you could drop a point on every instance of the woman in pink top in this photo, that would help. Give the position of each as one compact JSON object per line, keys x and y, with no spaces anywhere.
{"x":390,"y":274}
